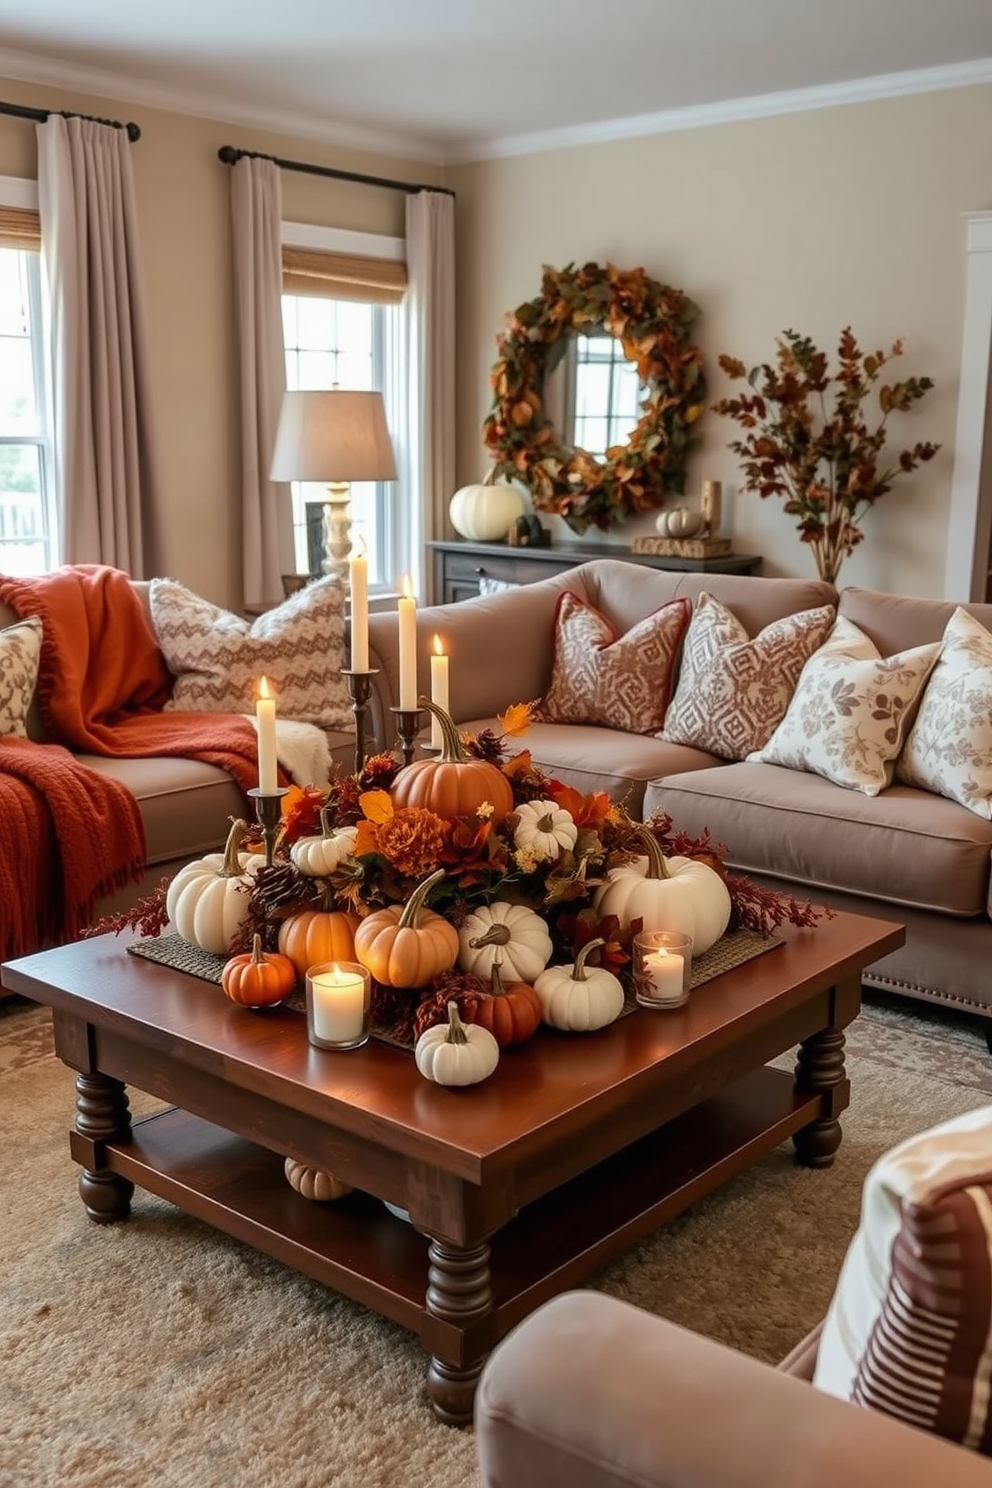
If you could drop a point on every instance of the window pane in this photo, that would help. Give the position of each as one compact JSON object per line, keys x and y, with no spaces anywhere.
{"x":15,"y":318}
{"x":18,"y":413}
{"x":315,"y":323}
{"x":22,"y":515}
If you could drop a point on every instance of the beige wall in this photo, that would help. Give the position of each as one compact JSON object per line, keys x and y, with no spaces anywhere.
{"x":812,"y":221}
{"x":183,"y":195}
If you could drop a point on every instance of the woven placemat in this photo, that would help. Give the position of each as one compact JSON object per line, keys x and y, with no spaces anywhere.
{"x":730,"y":951}
{"x":172,"y":950}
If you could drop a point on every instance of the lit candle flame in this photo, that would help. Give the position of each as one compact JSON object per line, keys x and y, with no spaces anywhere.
{"x":438,"y":646}
{"x":406,"y":587}
{"x":264,"y":690}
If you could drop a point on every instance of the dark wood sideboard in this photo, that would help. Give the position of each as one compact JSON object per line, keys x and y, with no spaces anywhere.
{"x":459,"y":565}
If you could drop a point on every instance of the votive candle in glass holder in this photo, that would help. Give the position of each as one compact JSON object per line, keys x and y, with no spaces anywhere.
{"x":339,"y":1005}
{"x":662,"y":968}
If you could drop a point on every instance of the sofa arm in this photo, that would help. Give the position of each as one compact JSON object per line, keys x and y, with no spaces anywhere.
{"x":590,"y":1392}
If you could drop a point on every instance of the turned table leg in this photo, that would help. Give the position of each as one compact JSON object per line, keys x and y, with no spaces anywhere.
{"x":102,"y":1115}
{"x":458,"y":1293}
{"x":820,"y":1068}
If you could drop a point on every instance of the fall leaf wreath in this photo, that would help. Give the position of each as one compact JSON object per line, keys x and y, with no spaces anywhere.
{"x":652,"y":322}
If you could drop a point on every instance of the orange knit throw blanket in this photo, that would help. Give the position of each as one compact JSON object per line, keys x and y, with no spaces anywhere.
{"x":102,"y":682}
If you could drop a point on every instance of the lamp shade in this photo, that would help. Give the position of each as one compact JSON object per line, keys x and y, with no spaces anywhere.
{"x":332,"y":435}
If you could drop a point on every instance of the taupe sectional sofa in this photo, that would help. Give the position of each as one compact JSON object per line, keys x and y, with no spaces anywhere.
{"x":906,"y":854}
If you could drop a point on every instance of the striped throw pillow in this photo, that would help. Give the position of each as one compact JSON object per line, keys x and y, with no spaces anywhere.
{"x":909,"y":1330}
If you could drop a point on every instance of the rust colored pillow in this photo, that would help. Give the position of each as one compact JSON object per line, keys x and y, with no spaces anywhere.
{"x":618,"y":681}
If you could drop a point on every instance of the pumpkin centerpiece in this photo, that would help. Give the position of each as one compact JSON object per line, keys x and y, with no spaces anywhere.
{"x":318,"y":856}
{"x":258,"y":978}
{"x":511,"y":1011}
{"x":455,"y":1053}
{"x":406,"y":945}
{"x":455,"y":783}
{"x":667,"y":894}
{"x":580,"y":998}
{"x":207,"y":901}
{"x":512,"y":933}
{"x":312,"y":936}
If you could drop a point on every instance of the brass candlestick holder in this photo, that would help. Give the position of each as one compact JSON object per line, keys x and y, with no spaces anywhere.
{"x":360,"y":690}
{"x":268,"y":810}
{"x":408,"y":727}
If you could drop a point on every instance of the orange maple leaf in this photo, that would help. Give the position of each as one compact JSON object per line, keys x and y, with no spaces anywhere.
{"x":518,"y":764}
{"x":517,"y":719}
{"x":376,"y":806}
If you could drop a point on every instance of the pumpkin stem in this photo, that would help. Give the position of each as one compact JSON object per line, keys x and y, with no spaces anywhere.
{"x":579,"y":969}
{"x":545,"y":822}
{"x":657,"y":867}
{"x":257,"y":954}
{"x":327,"y":814}
{"x":456,"y":1028}
{"x":453,"y":750}
{"x":411,"y":909}
{"x":231,"y":866}
{"x":495,"y":978}
{"x":497,"y":935}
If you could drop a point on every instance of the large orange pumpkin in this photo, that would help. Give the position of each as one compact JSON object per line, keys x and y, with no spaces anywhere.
{"x":313,"y":936}
{"x":455,"y":783}
{"x":407,"y":945}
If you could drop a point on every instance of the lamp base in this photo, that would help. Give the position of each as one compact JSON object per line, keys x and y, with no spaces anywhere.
{"x":337,"y":531}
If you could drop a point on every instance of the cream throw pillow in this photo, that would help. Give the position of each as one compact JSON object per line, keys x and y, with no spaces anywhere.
{"x":850,"y":711}
{"x":217,"y":658}
{"x":909,"y":1329}
{"x":949,"y":748}
{"x":733,"y":690}
{"x":20,"y":652}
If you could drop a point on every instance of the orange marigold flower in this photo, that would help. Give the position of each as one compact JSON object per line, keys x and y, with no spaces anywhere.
{"x":412,"y":839}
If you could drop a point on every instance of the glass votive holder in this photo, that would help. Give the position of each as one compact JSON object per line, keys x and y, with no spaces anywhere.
{"x":339,"y":1005}
{"x":662,"y":968}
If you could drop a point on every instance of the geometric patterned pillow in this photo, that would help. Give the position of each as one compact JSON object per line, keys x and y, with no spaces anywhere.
{"x":618,"y":681}
{"x":217,"y":658}
{"x":20,"y":652}
{"x":851,"y":711}
{"x":949,"y":748}
{"x":909,"y":1329}
{"x":733,"y":690}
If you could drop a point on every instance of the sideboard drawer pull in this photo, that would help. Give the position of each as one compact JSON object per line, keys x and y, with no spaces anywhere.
{"x":480,"y":568}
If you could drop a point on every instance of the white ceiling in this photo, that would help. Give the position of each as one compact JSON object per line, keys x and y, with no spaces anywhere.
{"x":448,"y":80}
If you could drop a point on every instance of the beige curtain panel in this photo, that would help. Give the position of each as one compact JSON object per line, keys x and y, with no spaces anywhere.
{"x":266,"y":506}
{"x":341,"y":276}
{"x":105,"y":463}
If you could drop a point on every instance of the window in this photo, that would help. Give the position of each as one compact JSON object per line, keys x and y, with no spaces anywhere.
{"x":607,"y":395}
{"x":27,"y":516}
{"x":346,"y":327}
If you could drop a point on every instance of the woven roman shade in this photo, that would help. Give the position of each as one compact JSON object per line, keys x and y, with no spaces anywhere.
{"x":20,"y":227}
{"x":342,"y":276}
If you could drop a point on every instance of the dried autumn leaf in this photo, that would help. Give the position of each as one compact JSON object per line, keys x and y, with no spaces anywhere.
{"x":376,"y":806}
{"x":517,"y":719}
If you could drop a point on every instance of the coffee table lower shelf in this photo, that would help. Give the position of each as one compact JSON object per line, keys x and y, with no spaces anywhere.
{"x":361,"y":1250}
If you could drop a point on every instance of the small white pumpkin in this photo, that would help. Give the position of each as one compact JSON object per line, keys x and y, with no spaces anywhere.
{"x":318,"y":856}
{"x":667,"y":894}
{"x":456,"y":1053}
{"x":509,"y":932}
{"x":485,"y":512}
{"x":314,"y":1183}
{"x":207,"y":900}
{"x":679,"y":522}
{"x":546,"y":828}
{"x":580,"y":998}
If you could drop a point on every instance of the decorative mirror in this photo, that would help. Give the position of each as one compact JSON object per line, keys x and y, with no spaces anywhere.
{"x":650,"y":324}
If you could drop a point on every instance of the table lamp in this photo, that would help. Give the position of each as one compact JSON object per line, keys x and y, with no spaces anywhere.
{"x":336,"y":436}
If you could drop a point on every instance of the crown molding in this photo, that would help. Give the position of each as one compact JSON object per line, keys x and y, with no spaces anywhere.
{"x":29,"y":67}
{"x":732,"y":111}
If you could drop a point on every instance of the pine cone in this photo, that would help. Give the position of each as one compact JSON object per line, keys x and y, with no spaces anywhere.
{"x":281,"y":888}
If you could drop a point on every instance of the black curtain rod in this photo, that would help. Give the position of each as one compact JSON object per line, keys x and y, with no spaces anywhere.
{"x":39,"y":115}
{"x":229,"y":155}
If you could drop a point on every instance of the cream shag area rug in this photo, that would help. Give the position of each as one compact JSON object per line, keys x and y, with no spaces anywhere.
{"x":158,"y":1354}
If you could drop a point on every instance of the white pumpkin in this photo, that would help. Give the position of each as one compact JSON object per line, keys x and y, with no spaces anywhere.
{"x":485,"y":512}
{"x":546,"y":828}
{"x":667,"y":894}
{"x":207,"y":901}
{"x":579,"y":998}
{"x":456,"y":1053}
{"x":318,"y":856}
{"x":510,"y":933}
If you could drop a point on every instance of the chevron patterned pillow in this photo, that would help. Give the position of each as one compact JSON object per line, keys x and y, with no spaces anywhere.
{"x":619,"y":681}
{"x":217,"y":658}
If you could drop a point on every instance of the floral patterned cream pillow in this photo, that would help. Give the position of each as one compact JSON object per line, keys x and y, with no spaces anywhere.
{"x":850,"y":711}
{"x":949,"y":748}
{"x":20,"y":652}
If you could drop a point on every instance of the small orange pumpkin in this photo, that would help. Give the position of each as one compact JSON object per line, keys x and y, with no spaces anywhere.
{"x":512,"y":1013}
{"x":312,"y":936}
{"x":455,"y":783}
{"x":257,"y":979}
{"x":407,"y":945}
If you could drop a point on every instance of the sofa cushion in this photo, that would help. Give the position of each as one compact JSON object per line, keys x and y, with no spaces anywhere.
{"x":620,"y":681}
{"x":904,"y":846}
{"x":217,"y":658}
{"x":599,"y":759}
{"x":851,"y":711}
{"x":733,"y":690}
{"x":186,"y":805}
{"x":949,"y":747}
{"x":20,"y":653}
{"x":909,"y":1329}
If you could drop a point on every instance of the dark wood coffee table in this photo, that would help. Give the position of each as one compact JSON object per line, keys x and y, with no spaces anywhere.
{"x":577,"y":1146}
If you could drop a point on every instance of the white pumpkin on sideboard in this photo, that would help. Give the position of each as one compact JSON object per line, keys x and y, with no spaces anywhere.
{"x":485,"y":512}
